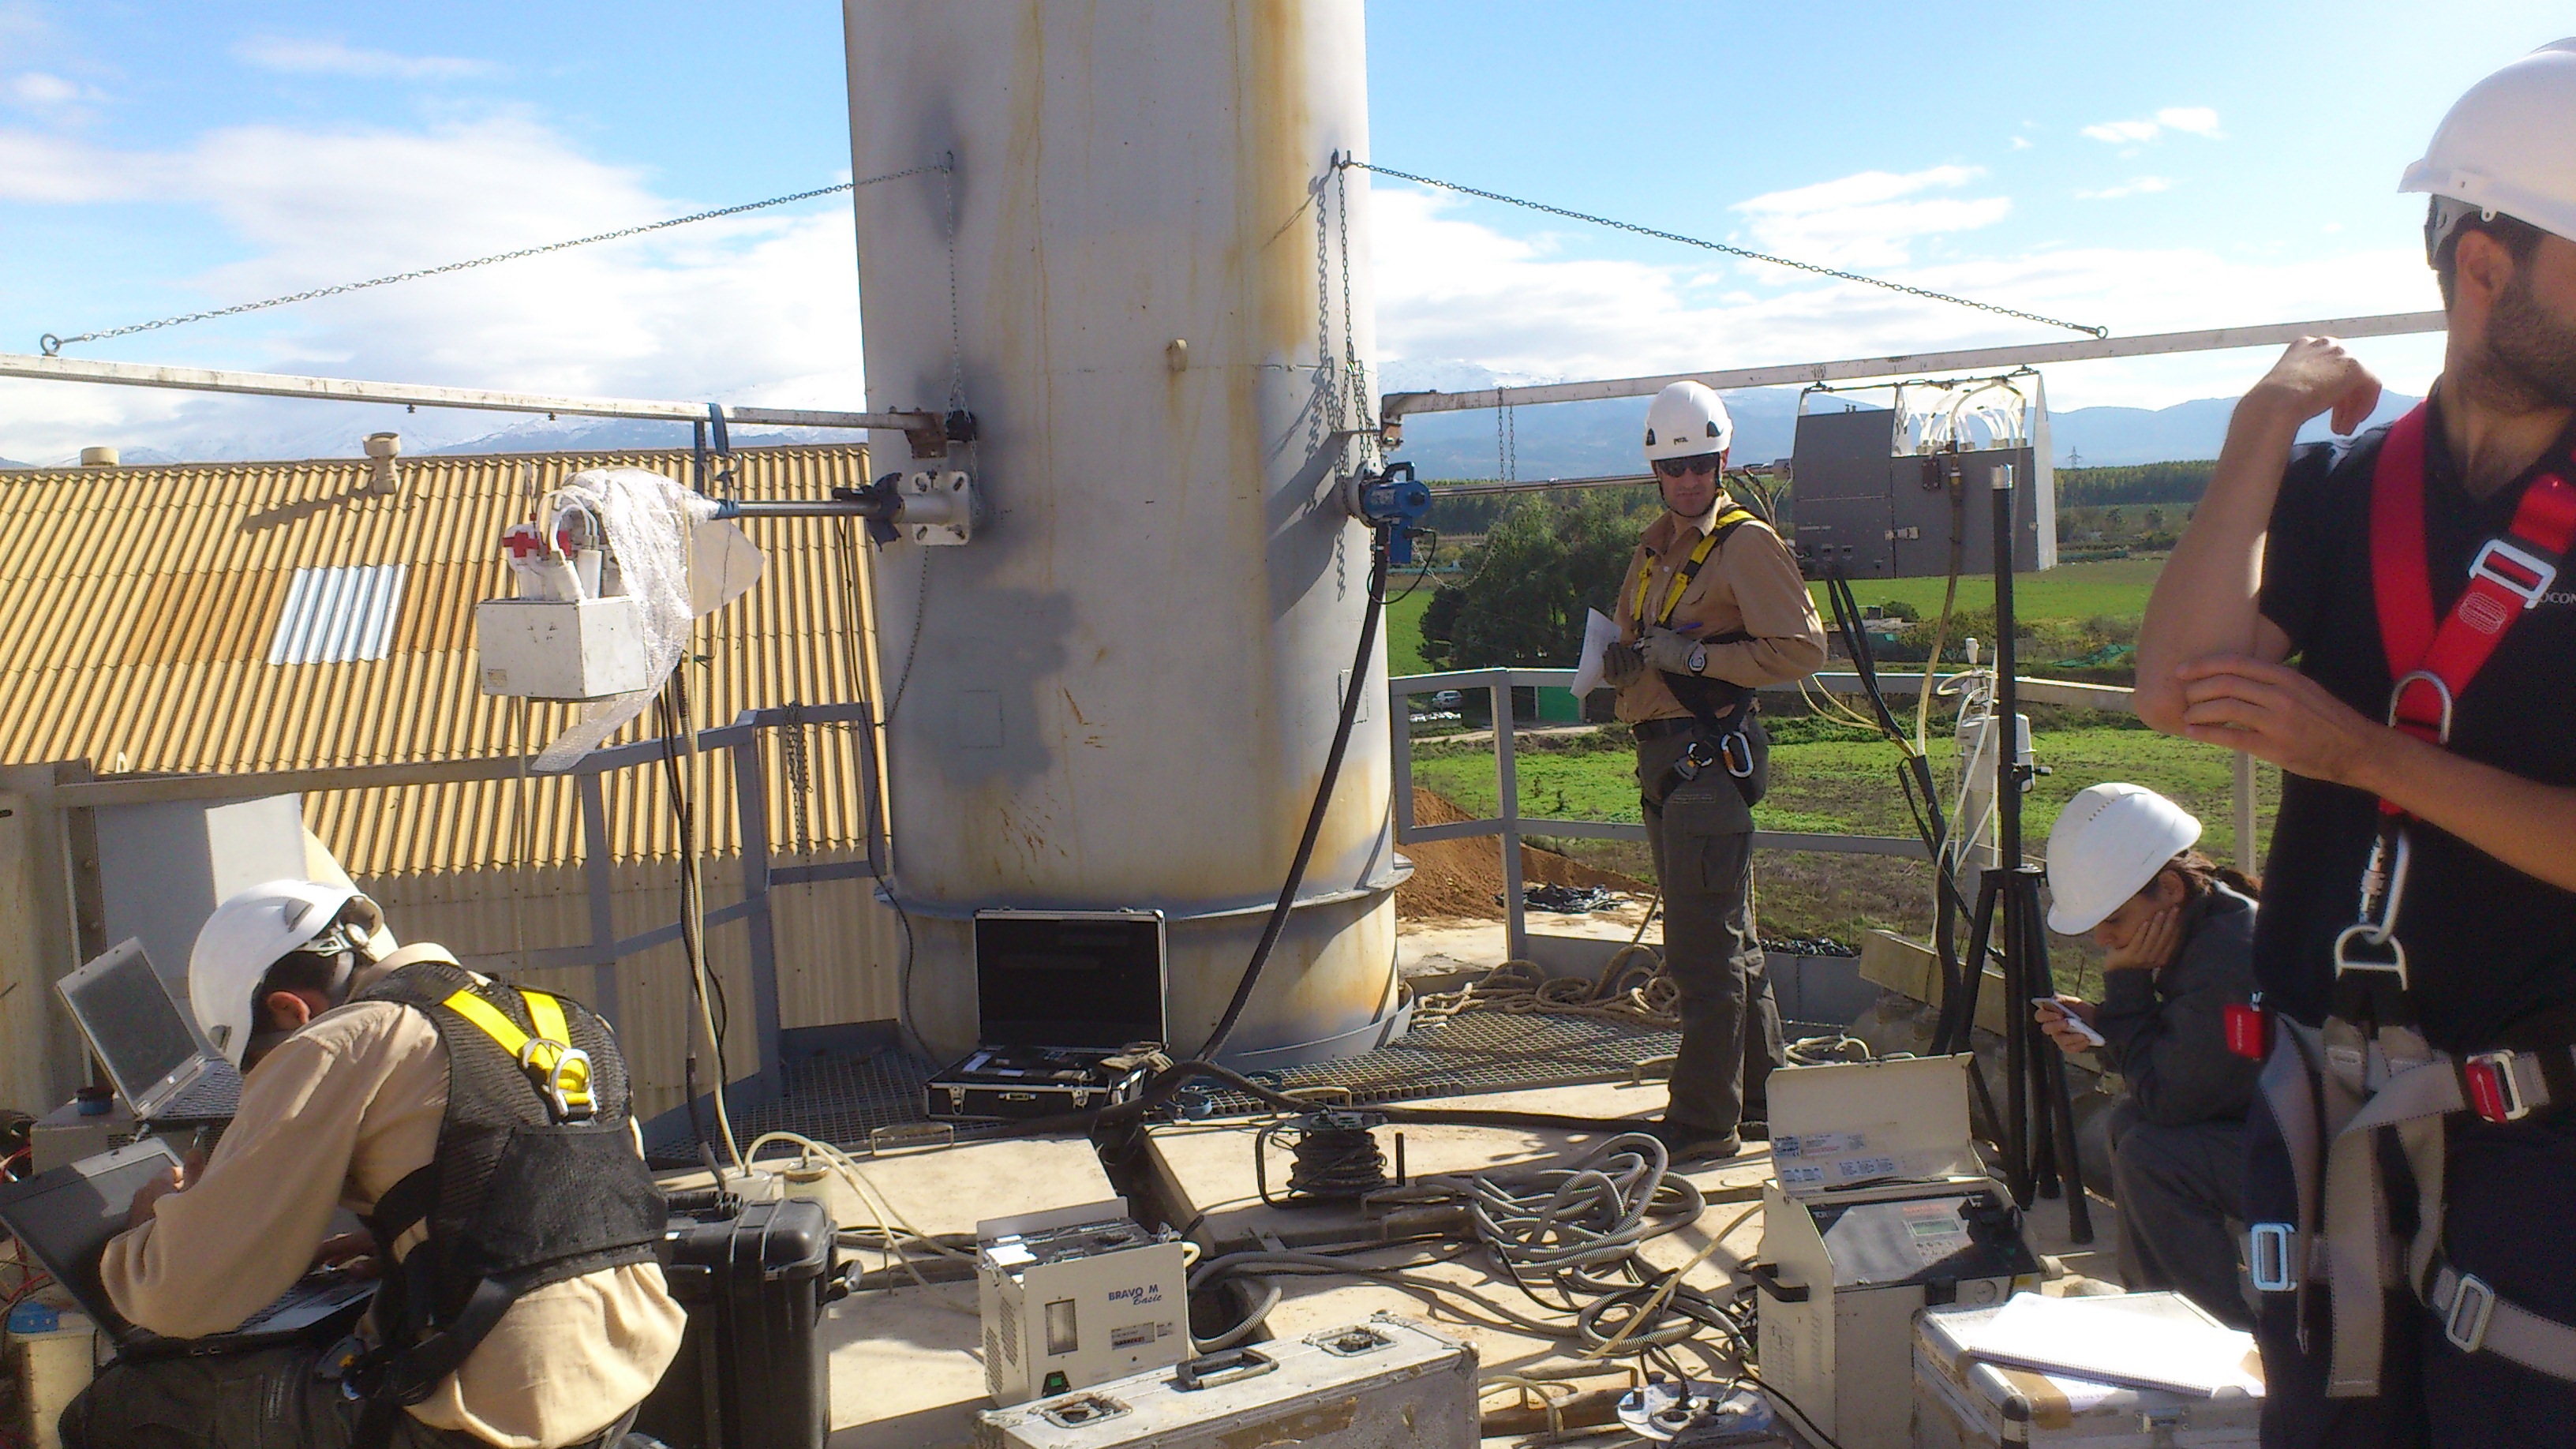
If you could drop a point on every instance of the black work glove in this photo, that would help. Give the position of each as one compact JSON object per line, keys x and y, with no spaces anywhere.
{"x":1622,"y":665}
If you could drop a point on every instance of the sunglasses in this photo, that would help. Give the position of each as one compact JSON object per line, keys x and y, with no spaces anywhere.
{"x":1678,"y":467}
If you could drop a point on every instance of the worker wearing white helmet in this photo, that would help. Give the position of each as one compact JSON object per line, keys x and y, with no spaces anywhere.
{"x":482,"y":1133}
{"x":1712,"y":608}
{"x":2417,"y":952}
{"x":2177,"y":933}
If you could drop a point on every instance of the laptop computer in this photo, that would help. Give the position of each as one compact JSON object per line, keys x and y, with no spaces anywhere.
{"x":64,"y":1218}
{"x":163,"y":1066}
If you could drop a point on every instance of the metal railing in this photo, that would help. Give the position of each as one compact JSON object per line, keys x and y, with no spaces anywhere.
{"x":1498,"y":684}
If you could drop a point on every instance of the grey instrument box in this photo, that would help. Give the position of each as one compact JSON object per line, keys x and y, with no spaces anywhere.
{"x":1383,"y":1382}
{"x":1961,"y":1402}
{"x":1859,"y":506}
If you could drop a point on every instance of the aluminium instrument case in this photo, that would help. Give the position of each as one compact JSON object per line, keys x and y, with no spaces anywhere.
{"x":1386,"y":1381}
{"x":1964,"y":1402}
{"x":1063,"y":1000}
{"x":751,"y":1372}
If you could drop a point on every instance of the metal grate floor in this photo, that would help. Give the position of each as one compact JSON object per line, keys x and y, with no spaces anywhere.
{"x":840,"y":1099}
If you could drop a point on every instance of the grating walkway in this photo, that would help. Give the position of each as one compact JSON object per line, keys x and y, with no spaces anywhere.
{"x":842,"y":1099}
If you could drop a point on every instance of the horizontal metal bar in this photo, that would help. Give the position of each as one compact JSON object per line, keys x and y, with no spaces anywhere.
{"x":1900,"y":845}
{"x":341,"y":389}
{"x":2214,"y":339}
{"x":557,"y":957}
{"x":1894,"y":680}
{"x":1535,"y":485}
{"x":787,"y":875}
{"x":250,"y":784}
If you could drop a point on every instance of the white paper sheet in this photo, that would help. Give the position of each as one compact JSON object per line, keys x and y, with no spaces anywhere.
{"x":1599,"y":633}
{"x":2148,"y":1340}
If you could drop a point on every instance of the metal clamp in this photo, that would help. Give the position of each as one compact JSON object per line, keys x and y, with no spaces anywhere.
{"x":565,"y":1082}
{"x":2271,"y":1258}
{"x":2493,"y":1092}
{"x":2472,"y":1305}
{"x":2542,"y":572}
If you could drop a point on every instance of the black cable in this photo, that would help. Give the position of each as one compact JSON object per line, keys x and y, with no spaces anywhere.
{"x":1429,"y":557}
{"x":1278,"y":921}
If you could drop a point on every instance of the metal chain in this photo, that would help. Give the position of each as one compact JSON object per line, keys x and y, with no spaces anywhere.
{"x":1346,"y":163}
{"x":1357,"y":403}
{"x":54,"y":345}
{"x":800,"y":776}
{"x":956,"y":333}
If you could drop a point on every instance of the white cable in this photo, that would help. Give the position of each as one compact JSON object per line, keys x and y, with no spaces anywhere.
{"x":693,"y":917}
{"x":880,"y":1208}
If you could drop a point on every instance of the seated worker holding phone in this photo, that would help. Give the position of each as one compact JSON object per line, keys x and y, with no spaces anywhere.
{"x":483,"y":1133}
{"x":2179,"y":933}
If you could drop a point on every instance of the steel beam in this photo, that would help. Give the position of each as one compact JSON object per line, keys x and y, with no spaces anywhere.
{"x":1396,"y":405}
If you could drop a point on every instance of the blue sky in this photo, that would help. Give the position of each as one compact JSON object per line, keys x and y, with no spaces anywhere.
{"x":2143,"y":166}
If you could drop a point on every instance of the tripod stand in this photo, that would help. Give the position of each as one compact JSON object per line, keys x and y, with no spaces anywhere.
{"x":2038,"y":1124}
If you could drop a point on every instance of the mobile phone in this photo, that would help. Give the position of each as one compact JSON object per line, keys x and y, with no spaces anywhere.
{"x":2082,"y":1027}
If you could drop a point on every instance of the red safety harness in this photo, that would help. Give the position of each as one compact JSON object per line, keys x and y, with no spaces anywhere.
{"x":2369,"y":1077}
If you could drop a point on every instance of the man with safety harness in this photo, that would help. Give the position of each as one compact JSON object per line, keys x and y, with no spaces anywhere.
{"x":1712,"y":607}
{"x":483,"y":1136}
{"x":2411,"y":1173}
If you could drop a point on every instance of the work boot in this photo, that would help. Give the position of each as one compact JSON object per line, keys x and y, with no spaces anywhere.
{"x":1753,"y":1129}
{"x":1690,"y":1142}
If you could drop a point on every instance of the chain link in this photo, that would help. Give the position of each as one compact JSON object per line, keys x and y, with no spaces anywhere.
{"x":1347,"y":163}
{"x":54,"y":345}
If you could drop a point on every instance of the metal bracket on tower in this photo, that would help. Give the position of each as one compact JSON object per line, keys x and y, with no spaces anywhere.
{"x":931,"y":506}
{"x":1393,"y":502}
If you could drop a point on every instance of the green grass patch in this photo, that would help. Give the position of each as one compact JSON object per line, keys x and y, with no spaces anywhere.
{"x":1403,"y":627}
{"x":2114,"y":588}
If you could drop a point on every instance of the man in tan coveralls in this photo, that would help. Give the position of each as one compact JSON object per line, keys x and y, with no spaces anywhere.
{"x":346,"y":1103}
{"x":1712,"y":607}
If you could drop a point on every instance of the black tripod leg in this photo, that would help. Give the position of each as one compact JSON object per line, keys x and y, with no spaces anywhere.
{"x":2058,"y":1103}
{"x":1957,"y":1031}
{"x":1996,"y":895}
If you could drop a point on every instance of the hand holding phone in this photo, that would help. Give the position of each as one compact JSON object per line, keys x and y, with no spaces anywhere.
{"x":2054,"y":1011}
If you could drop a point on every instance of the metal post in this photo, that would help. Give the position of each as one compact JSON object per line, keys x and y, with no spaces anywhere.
{"x":2247,"y":857}
{"x":1399,"y":709}
{"x":750,"y":788}
{"x":1507,"y":771}
{"x":603,"y":919}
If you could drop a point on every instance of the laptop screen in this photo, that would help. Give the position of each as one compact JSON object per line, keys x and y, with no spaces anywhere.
{"x":131,"y":1020}
{"x":64,"y":1217}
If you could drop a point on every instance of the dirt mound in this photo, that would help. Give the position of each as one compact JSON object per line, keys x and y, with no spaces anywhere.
{"x":1455,"y":879}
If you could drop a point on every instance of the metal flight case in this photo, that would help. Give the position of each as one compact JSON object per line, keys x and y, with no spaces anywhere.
{"x":751,"y":1373}
{"x":1069,"y":1007}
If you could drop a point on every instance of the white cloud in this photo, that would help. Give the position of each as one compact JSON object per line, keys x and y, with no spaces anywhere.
{"x":2198,"y":120}
{"x":332,"y":57}
{"x":2193,"y":120}
{"x":2021,"y":143}
{"x":1867,"y":219}
{"x":38,"y":91}
{"x":756,"y":309}
{"x":1452,"y":294}
{"x":2134,"y":186}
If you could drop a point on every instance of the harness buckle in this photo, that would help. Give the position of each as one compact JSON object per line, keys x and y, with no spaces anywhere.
{"x":2493,"y":1092}
{"x":2472,"y":1305}
{"x":2269,"y":1259}
{"x":564,"y":1081}
{"x":2441,"y":694}
{"x":2345,"y":961}
{"x":2537,"y":573}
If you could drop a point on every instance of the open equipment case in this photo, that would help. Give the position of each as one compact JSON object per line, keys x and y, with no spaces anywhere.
{"x":1066,"y":1003}
{"x":1878,"y":1207}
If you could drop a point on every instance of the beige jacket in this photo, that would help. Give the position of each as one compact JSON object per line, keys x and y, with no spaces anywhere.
{"x":338,"y":1114}
{"x":1750,"y":585}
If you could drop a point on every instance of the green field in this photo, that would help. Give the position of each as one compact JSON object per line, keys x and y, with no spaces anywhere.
{"x":1404,"y":634}
{"x":2115,"y":588}
{"x":1834,"y":781}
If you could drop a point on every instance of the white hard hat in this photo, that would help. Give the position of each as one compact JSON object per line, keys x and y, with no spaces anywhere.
{"x":2509,"y":146}
{"x":1686,"y":420}
{"x":2108,"y":842}
{"x":253,"y":930}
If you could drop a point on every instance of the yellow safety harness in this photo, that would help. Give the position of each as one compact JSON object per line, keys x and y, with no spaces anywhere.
{"x":1718,"y":528}
{"x":560,"y":1070}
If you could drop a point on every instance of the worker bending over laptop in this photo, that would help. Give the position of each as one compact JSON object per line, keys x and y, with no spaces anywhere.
{"x":484,"y":1136}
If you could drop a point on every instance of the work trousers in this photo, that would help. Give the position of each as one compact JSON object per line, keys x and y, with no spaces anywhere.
{"x":1703,"y":848}
{"x":2181,"y":1189}
{"x":2511,"y":1202}
{"x":272,"y":1399}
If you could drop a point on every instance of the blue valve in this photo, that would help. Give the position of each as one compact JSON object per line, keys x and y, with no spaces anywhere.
{"x":1394,"y":502}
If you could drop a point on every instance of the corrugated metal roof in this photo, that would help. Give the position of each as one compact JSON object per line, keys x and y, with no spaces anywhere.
{"x":141,"y":609}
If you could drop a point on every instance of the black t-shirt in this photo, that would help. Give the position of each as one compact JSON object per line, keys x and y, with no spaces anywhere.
{"x":2487,"y":945}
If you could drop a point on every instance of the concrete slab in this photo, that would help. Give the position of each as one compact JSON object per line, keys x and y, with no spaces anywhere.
{"x":907,"y":1368}
{"x":945,"y":1190}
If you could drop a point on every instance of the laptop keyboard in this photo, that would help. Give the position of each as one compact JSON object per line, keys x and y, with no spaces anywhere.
{"x":215,"y":1093}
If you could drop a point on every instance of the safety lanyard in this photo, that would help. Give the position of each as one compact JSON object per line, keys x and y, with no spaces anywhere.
{"x":560,"y":1070}
{"x":1718,"y":528}
{"x":2433,"y":663}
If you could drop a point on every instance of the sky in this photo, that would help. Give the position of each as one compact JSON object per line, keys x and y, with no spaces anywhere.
{"x":2147,"y":167}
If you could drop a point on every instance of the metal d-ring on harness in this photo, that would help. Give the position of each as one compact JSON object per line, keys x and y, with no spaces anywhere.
{"x":1723,"y":720}
{"x":559,"y":1070}
{"x":2369,"y":1071}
